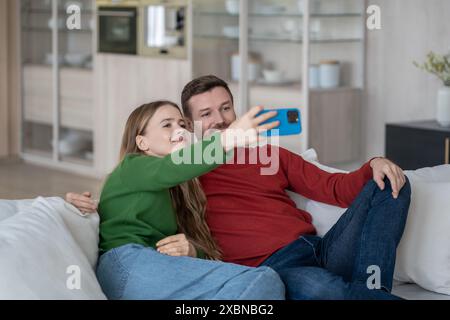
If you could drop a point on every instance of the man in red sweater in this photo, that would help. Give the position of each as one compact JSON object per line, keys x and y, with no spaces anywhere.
{"x":255,"y":222}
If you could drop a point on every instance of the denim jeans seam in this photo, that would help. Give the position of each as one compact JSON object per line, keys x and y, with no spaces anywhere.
{"x":313,"y":248}
{"x":357,"y":208}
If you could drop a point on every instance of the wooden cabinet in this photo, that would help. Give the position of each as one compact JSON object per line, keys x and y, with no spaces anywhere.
{"x":416,"y":145}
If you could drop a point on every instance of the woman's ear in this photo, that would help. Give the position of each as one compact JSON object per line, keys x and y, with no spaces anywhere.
{"x":142,"y":143}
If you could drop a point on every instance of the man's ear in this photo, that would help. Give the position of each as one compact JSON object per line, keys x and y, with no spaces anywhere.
{"x":142,"y":143}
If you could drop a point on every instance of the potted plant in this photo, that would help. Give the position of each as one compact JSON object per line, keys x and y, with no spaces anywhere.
{"x":439,"y":65}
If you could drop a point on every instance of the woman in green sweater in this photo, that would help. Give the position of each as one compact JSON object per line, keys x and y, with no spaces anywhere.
{"x":152,"y":209}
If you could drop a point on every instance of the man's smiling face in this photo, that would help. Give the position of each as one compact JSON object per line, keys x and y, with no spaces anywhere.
{"x":213,"y":108}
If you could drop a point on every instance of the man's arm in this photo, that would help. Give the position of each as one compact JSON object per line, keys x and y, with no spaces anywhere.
{"x":82,"y":202}
{"x":338,"y":189}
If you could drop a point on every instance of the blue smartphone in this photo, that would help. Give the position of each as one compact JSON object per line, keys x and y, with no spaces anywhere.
{"x":290,"y":122}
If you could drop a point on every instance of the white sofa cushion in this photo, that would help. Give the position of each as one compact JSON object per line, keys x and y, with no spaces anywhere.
{"x":423,"y":256}
{"x":8,"y":208}
{"x":37,"y":250}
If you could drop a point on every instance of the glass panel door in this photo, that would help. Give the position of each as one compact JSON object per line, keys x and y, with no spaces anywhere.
{"x":37,"y":61}
{"x":75,"y":83}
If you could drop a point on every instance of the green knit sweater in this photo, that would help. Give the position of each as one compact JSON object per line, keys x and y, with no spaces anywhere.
{"x":135,"y":204}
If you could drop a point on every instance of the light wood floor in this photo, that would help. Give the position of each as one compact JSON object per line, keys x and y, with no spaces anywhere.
{"x":24,"y":181}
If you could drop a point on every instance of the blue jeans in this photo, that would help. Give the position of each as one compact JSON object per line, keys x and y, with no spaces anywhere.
{"x":134,"y":272}
{"x":338,"y":266}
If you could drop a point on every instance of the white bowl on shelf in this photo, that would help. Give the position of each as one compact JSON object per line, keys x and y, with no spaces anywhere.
{"x":270,"y":9}
{"x":72,"y":143}
{"x":231,"y":31}
{"x":76,"y":59}
{"x":49,"y":59}
{"x":273,"y":76}
{"x":51,"y":23}
{"x":232,"y":6}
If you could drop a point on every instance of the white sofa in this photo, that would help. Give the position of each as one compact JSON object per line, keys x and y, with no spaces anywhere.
{"x":48,"y":250}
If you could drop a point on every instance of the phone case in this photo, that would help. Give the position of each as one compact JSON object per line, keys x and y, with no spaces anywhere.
{"x":290,"y":122}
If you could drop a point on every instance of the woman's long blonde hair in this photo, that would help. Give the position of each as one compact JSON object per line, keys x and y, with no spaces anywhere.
{"x":188,"y":199}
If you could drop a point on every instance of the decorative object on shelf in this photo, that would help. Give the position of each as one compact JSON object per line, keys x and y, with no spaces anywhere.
{"x":439,"y":65}
{"x":232,"y":6}
{"x":269,"y":8}
{"x":72,"y":143}
{"x":330,"y":74}
{"x":51,"y":23}
{"x":76,"y":59}
{"x":314,"y":6}
{"x":314,"y":76}
{"x":273,"y":76}
{"x":254,"y":67}
{"x":231,"y":31}
{"x":315,"y":29}
{"x":292,"y":29}
{"x":49,"y":59}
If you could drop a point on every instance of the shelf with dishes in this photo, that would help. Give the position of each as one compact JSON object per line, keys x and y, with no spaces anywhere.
{"x":48,"y":24}
{"x":81,"y":61}
{"x":290,"y":8}
{"x":49,"y":11}
{"x":75,"y":146}
{"x":280,"y":15}
{"x":229,"y":35}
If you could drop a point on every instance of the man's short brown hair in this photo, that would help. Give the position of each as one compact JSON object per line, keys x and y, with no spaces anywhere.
{"x":198,"y":86}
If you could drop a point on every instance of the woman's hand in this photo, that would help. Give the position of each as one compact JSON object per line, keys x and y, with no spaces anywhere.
{"x":82,"y":202}
{"x":176,"y":246}
{"x":245,"y":130}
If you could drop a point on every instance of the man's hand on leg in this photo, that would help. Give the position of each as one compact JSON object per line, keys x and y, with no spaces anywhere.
{"x":382,"y":168}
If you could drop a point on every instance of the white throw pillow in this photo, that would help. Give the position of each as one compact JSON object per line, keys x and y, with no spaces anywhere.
{"x":8,"y":208}
{"x":423,"y":256}
{"x":434,"y":174}
{"x":37,"y":251}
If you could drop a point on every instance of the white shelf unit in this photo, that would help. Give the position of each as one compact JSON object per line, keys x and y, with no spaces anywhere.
{"x":57,"y":91}
{"x":288,"y":38}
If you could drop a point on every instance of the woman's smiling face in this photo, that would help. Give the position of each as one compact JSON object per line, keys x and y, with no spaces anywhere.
{"x":165,"y":133}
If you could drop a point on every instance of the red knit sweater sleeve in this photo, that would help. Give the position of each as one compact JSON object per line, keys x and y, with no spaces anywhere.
{"x":338,"y":189}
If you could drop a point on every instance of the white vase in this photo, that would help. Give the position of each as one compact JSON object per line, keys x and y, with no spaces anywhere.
{"x":443,"y":107}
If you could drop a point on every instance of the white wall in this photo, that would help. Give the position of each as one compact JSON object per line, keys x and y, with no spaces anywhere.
{"x":396,"y":90}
